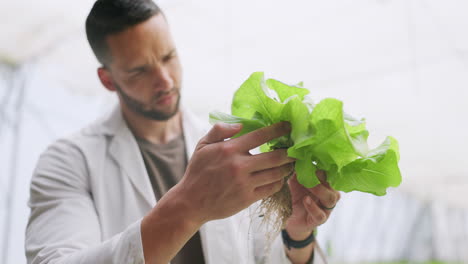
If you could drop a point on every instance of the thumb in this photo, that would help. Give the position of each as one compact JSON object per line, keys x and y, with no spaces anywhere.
{"x":221,"y":131}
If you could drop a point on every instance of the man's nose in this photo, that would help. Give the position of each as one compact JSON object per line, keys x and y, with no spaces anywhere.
{"x":163,"y":79}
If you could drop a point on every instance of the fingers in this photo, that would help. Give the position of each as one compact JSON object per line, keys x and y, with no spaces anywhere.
{"x":261,"y":136}
{"x":271,"y":159}
{"x":316,"y":216}
{"x":272,"y":175}
{"x":268,"y":190}
{"x":221,"y":131}
{"x":325,"y":196}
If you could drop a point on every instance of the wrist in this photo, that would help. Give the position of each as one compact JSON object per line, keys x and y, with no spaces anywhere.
{"x":298,"y":232}
{"x":167,"y":228}
{"x":297,"y":242}
{"x":298,"y":235}
{"x":181,"y":204}
{"x":173,"y":210}
{"x":299,"y":251}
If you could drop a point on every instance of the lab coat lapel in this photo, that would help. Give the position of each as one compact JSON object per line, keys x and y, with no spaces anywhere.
{"x":193,"y":129}
{"x":126,"y":153}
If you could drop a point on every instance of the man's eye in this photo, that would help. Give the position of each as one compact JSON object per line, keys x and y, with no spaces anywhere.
{"x":139,"y":71}
{"x":168,"y":57}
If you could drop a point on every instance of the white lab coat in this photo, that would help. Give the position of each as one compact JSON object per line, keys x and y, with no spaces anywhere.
{"x":90,"y":191}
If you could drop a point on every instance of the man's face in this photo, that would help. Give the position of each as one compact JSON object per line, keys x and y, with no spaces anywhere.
{"x":145,"y":69}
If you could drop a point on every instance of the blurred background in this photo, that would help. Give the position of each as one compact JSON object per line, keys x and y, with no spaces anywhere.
{"x":401,"y":64}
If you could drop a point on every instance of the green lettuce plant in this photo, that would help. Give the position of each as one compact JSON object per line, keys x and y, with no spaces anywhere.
{"x":322,"y":136}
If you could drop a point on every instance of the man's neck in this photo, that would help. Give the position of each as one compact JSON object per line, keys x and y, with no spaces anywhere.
{"x":156,"y":132}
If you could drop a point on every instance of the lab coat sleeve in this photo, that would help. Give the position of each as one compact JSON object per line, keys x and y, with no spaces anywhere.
{"x":63,"y":226}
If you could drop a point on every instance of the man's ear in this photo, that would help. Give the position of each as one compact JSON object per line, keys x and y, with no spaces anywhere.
{"x":106,"y":79}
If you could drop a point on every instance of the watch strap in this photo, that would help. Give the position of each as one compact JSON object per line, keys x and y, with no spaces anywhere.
{"x":289,"y":243}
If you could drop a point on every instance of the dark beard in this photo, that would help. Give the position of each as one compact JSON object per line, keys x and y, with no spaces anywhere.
{"x":138,"y":107}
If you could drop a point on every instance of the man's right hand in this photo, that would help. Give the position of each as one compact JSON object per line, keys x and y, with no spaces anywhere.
{"x":222,"y":178}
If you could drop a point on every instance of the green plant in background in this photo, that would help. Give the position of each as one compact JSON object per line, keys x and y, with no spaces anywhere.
{"x":323,"y":136}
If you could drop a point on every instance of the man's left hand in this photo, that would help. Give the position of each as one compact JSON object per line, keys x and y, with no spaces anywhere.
{"x":311,"y":207}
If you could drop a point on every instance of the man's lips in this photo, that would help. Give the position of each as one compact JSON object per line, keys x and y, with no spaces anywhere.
{"x":166,"y":99}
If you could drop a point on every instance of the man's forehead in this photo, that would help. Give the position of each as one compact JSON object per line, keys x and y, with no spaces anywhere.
{"x":149,"y":38}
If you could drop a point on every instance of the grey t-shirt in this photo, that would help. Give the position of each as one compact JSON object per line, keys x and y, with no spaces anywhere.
{"x":166,"y":164}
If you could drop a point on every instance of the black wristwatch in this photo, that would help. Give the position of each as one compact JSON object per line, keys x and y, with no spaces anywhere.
{"x":289,"y":243}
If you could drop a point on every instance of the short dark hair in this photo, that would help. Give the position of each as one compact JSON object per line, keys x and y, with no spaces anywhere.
{"x":109,"y":17}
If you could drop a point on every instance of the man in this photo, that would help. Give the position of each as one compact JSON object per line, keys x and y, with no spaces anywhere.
{"x":128,"y":189}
